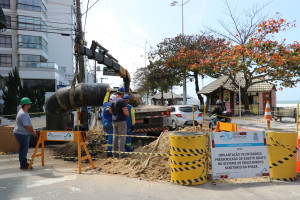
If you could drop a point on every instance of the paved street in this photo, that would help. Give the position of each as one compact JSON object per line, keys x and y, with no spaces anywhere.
{"x":59,"y":180}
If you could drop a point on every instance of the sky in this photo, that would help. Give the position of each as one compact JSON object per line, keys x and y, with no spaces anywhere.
{"x":129,"y":27}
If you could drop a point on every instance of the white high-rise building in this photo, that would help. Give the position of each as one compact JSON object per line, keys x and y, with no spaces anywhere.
{"x":39,"y":41}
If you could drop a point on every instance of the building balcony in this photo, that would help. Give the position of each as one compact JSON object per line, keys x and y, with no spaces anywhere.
{"x":33,"y":46}
{"x":29,"y":64}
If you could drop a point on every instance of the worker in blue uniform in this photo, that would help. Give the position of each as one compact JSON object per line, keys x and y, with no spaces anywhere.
{"x":107,"y":121}
{"x":130,"y":121}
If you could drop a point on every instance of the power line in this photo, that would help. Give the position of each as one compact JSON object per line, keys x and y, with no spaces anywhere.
{"x":121,"y":39}
{"x":43,"y":20}
{"x":26,"y":23}
{"x":64,"y":34}
{"x":89,"y":8}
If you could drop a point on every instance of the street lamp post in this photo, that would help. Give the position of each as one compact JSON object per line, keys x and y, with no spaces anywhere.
{"x":175,"y":3}
{"x":240,"y":103}
{"x":146,"y":52}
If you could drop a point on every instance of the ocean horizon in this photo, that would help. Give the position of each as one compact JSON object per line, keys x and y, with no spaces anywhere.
{"x":291,"y":103}
{"x":288,"y":102}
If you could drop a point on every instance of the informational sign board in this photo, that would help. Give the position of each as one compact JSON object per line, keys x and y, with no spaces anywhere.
{"x":109,"y":72}
{"x":239,"y":154}
{"x":60,"y":136}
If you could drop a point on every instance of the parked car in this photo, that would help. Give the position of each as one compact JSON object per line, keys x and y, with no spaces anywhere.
{"x":171,"y":122}
{"x":184,"y":115}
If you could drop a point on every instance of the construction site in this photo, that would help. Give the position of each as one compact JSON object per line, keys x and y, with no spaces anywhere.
{"x":235,"y":143}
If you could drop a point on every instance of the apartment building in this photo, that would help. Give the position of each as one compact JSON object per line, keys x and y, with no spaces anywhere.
{"x":39,"y":41}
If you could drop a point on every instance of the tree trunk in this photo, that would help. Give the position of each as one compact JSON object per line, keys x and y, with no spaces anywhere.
{"x":197,"y":87}
{"x":172,"y":95}
{"x":245,"y":100}
{"x":162,"y":97}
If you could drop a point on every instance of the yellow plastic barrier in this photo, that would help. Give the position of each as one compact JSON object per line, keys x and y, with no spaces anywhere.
{"x":188,"y":158}
{"x":222,"y":126}
{"x":282,"y":151}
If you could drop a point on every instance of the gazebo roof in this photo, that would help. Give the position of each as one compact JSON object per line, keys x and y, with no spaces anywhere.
{"x":167,"y":95}
{"x":226,"y":83}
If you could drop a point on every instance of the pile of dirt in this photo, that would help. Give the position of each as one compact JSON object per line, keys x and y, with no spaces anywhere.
{"x":94,"y":139}
{"x":134,"y":165}
{"x":158,"y":168}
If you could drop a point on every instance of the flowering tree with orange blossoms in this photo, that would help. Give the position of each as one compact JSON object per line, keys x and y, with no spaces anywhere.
{"x":172,"y":52}
{"x":260,"y":58}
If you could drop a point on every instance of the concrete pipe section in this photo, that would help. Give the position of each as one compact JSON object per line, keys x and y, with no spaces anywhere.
{"x":66,"y":99}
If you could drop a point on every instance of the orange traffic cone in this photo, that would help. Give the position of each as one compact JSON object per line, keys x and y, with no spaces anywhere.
{"x":268,"y":114}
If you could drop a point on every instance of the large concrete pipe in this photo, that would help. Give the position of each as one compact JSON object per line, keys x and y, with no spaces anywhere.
{"x":65,"y":99}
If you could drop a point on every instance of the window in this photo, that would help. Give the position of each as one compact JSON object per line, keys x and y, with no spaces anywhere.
{"x":34,"y":58}
{"x":5,"y":3}
{"x":35,"y":23}
{"x":173,"y":109}
{"x":186,"y":109}
{"x":5,"y":41}
{"x":5,"y":60}
{"x":8,"y":21}
{"x":35,"y":42}
{"x":29,"y":61}
{"x":35,"y":84}
{"x":34,"y":5}
{"x":34,"y":61}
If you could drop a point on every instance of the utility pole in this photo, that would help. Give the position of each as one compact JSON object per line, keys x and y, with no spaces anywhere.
{"x":81,"y":78}
{"x":79,"y":41}
{"x":95,"y":75}
{"x":175,"y":3}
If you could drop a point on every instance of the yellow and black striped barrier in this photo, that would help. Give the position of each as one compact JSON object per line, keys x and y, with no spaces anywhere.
{"x":282,"y":150}
{"x":188,"y":170}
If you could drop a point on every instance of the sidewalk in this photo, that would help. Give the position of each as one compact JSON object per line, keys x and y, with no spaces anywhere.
{"x":258,"y":123}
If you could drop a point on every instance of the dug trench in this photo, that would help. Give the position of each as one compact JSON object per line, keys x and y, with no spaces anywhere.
{"x":146,"y":167}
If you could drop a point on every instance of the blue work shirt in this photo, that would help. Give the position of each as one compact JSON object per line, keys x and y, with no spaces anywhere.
{"x":105,"y":115}
{"x":128,"y":119}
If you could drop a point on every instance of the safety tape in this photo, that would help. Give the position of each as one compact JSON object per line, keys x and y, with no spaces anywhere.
{"x":149,"y":129}
{"x":282,"y":145}
{"x":155,"y":154}
{"x":191,"y":181}
{"x":199,"y":151}
{"x":181,"y":169}
{"x":255,"y":120}
{"x":286,"y":179}
{"x":135,"y":136}
{"x":186,"y":163}
{"x":37,"y":113}
{"x":187,"y":137}
{"x":283,"y":160}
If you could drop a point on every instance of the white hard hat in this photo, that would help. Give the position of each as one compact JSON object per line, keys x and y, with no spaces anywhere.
{"x":112,"y":97}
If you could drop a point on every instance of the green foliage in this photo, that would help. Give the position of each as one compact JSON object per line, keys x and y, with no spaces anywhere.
{"x":14,"y":92}
{"x":11,"y":95}
{"x":155,"y":77}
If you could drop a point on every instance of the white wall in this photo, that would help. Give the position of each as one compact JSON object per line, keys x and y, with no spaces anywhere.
{"x":60,"y":48}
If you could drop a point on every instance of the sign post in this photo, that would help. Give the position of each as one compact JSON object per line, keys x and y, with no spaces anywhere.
{"x":239,"y":154}
{"x":109,"y":72}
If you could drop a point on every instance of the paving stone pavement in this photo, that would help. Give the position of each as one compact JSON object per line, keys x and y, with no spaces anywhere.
{"x":258,"y":122}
